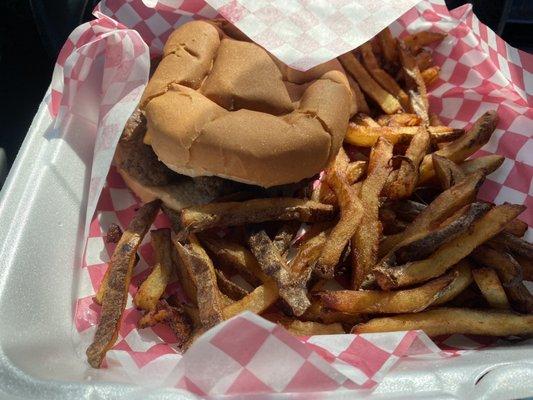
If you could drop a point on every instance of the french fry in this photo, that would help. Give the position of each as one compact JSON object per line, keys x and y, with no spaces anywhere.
{"x":365,"y":242}
{"x":364,"y":136}
{"x":184,"y":279}
{"x":516,"y":227}
{"x":174,"y":317}
{"x":308,"y":253}
{"x":228,"y":287}
{"x":527,"y":268}
{"x":402,"y":182}
{"x":406,"y":210}
{"x":448,"y":173}
{"x":451,"y":252}
{"x":448,"y":321}
{"x":491,"y":288}
{"x":424,"y":60}
{"x":318,"y":313}
{"x":155,"y":284}
{"x":202,"y":273}
{"x":388,"y":47}
{"x":351,"y":215}
{"x":430,"y":75}
{"x":447,"y":203}
{"x":394,"y":302}
{"x":488,"y":164}
{"x":234,"y":255}
{"x":434,"y":120}
{"x":310,"y":328}
{"x":462,"y":282}
{"x":116,"y":293}
{"x":365,"y":120}
{"x":203,"y":217}
{"x":414,"y":81}
{"x":510,"y":274}
{"x":292,"y":287}
{"x":460,"y":149}
{"x":284,"y":236}
{"x":360,"y":101}
{"x":513,"y":245}
{"x":383,"y":78}
{"x":113,"y":233}
{"x":385,"y":100}
{"x":418,"y":40}
{"x":355,"y":171}
{"x":256,"y":301}
{"x":403,"y":119}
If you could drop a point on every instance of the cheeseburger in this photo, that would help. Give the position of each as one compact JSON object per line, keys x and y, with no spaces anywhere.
{"x":220,"y":112}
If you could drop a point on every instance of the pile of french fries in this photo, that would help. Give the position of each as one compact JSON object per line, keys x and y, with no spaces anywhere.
{"x":392,"y":237}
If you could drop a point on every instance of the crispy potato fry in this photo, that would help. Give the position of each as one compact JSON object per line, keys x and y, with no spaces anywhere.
{"x":516,"y":227}
{"x":414,"y":81}
{"x":292,"y":287}
{"x":388,"y":46}
{"x":434,"y":120}
{"x":391,"y":224}
{"x":174,"y":317}
{"x":383,"y":78}
{"x":447,"y":203}
{"x":447,"y":321}
{"x":256,"y":301}
{"x":428,"y":242}
{"x":488,"y":164}
{"x":385,"y":100}
{"x":318,"y":313}
{"x":513,"y":245}
{"x":404,"y":119}
{"x":355,"y":171}
{"x":510,"y":274}
{"x":308,"y":253}
{"x":284,"y":236}
{"x":406,"y":210}
{"x":351,"y":214}
{"x":116,"y":293}
{"x":365,"y":120}
{"x":310,"y":328}
{"x":448,"y":173}
{"x":364,"y":136}
{"x":527,"y":268}
{"x":402,"y":182}
{"x":430,"y":75}
{"x":234,"y":255}
{"x":462,"y":281}
{"x":202,"y":217}
{"x":418,"y":40}
{"x":395,"y":302}
{"x":360,"y":101}
{"x":202,"y":272}
{"x":113,"y":233}
{"x":451,"y":252}
{"x":491,"y":288}
{"x":155,"y":284}
{"x":424,"y":60}
{"x":184,"y":279}
{"x":458,"y":150}
{"x":228,"y":287}
{"x":365,"y":242}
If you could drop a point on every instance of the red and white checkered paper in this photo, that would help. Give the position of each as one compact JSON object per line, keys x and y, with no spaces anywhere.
{"x":100,"y":75}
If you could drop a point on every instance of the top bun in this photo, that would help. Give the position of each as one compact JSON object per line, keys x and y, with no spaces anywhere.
{"x":220,"y":106}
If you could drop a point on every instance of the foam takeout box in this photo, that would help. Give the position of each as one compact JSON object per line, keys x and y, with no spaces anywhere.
{"x":61,"y":195}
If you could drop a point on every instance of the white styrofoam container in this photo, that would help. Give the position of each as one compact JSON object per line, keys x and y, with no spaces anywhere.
{"x":42,"y":208}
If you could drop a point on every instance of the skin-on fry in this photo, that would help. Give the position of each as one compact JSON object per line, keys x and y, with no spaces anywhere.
{"x":516,"y":227}
{"x":231,"y":254}
{"x":308,"y":253}
{"x":360,"y":101}
{"x":395,"y":302}
{"x":383,"y":78}
{"x":527,"y":268}
{"x":451,"y":252}
{"x":491,"y":288}
{"x":184,"y":279}
{"x":355,"y":171}
{"x":292,"y":288}
{"x":155,"y":284}
{"x":364,"y":136}
{"x":424,"y":60}
{"x":202,"y":217}
{"x":202,"y":272}
{"x":228,"y":287}
{"x":448,"y":173}
{"x":388,"y":46}
{"x":284,"y":236}
{"x":175,"y":317}
{"x":319,"y":313}
{"x":365,"y":242}
{"x":510,"y":274}
{"x":462,"y":148}
{"x":513,"y":245}
{"x":414,"y":81}
{"x":434,"y":120}
{"x":488,"y":164}
{"x":113,"y":233}
{"x":430,"y":75}
{"x":310,"y":328}
{"x":365,"y":120}
{"x":386,"y":101}
{"x":116,"y":293}
{"x":418,"y":40}
{"x":351,"y":214}
{"x":256,"y":301}
{"x":447,"y":203}
{"x":402,"y":182}
{"x":404,"y":119}
{"x":448,"y":321}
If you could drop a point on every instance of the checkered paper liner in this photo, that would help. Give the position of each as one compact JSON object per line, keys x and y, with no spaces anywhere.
{"x":100,"y":75}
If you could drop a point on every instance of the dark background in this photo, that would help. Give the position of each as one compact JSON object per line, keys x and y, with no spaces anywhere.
{"x":32,"y":32}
